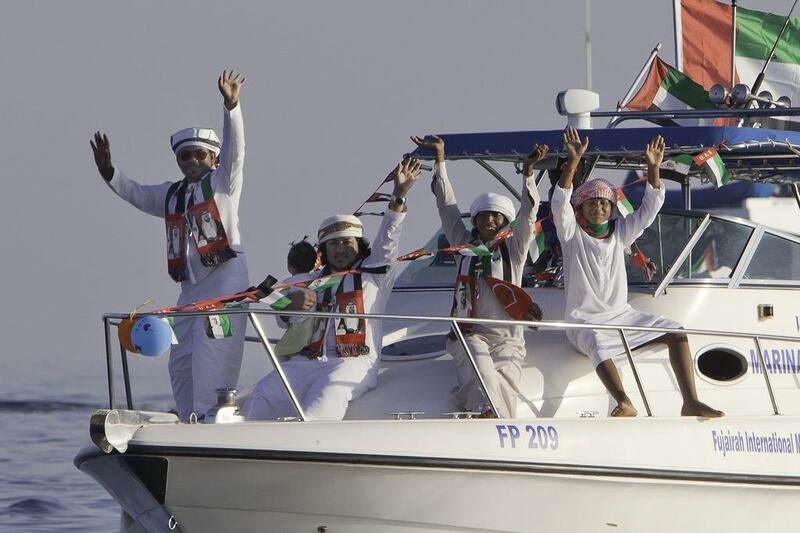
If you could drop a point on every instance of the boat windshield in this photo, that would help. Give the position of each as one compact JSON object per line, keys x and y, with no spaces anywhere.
{"x":713,"y":258}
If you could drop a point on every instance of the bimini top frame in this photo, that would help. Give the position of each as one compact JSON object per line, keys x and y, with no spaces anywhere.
{"x":756,"y":154}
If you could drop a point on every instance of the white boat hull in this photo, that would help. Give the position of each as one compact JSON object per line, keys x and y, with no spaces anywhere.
{"x":602,"y":475}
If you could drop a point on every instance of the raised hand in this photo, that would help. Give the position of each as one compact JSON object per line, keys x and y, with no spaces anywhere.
{"x":654,"y":152}
{"x":405,"y":175}
{"x":230,"y":84}
{"x":434,"y":143}
{"x":102,"y":155}
{"x":538,"y":153}
{"x":573,"y":145}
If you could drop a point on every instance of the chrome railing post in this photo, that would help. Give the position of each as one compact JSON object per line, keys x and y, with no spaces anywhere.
{"x":126,"y":377}
{"x":277,"y":364}
{"x":112,"y":404}
{"x":766,"y":375}
{"x":474,"y":364}
{"x":635,"y":372}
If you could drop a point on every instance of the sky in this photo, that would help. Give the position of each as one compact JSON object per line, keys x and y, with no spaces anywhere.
{"x":333,"y":92}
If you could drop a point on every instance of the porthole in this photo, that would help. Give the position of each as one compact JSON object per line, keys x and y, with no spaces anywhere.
{"x":721,"y":364}
{"x":415,"y":348}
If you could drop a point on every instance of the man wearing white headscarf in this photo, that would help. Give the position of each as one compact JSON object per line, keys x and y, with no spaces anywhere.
{"x":498,"y":350}
{"x":204,"y":251}
{"x":340,"y":359}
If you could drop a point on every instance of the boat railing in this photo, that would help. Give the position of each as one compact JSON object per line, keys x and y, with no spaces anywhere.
{"x":111,"y":320}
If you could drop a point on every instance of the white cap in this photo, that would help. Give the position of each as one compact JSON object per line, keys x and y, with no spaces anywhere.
{"x":489,"y":201}
{"x":340,"y":226}
{"x":199,"y":137}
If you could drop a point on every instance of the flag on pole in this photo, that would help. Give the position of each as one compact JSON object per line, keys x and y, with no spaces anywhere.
{"x":624,"y":206}
{"x":666,"y":88}
{"x":705,"y":46}
{"x":713,"y":167}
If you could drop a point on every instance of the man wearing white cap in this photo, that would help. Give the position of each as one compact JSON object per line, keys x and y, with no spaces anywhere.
{"x":498,"y":350}
{"x":204,"y":251}
{"x":340,"y":360}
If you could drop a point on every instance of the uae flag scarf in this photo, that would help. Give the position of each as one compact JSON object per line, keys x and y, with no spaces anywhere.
{"x":204,"y":224}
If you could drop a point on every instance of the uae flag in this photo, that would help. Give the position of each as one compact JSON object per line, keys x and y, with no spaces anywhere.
{"x":379,"y":197}
{"x":320,"y":284}
{"x":667,"y":89}
{"x":218,"y":326}
{"x":276,"y":300}
{"x":713,"y":167}
{"x":676,"y":168}
{"x":704,"y":49}
{"x":624,"y":206}
{"x":470,"y":251}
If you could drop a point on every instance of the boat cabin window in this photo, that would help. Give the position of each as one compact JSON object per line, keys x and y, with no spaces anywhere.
{"x":717,"y":253}
{"x":776,"y":258}
{"x":436,"y":271}
{"x":661,"y":243}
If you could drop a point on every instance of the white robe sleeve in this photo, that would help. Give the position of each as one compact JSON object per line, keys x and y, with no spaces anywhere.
{"x":147,"y":198}
{"x":229,"y":175}
{"x":563,"y":214}
{"x":630,"y":228}
{"x":520,"y":241}
{"x":386,"y":245}
{"x":449,"y":213}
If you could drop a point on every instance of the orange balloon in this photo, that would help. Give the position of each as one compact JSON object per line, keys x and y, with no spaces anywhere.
{"x":124,"y":334}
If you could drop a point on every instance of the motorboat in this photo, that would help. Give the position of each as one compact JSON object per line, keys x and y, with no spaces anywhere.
{"x":404,"y":459}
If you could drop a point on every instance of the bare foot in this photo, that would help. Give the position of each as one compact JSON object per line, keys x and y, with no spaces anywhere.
{"x":624,"y":409}
{"x":700,"y":409}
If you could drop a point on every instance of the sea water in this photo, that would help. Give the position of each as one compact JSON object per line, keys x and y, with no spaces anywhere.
{"x":44,"y":421}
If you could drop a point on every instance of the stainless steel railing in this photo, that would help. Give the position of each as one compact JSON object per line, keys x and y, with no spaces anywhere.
{"x":112,"y":319}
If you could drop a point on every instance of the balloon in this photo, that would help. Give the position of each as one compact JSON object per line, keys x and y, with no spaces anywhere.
{"x":151,"y":335}
{"x":124,"y":334}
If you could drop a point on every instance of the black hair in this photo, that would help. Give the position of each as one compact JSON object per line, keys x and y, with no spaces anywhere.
{"x":302,"y":256}
{"x":363,"y":250}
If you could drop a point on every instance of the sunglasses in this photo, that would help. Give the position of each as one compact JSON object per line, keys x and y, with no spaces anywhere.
{"x":198,"y":153}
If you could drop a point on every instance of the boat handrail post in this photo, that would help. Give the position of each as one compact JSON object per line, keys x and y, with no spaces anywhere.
{"x":766,"y":375}
{"x":474,"y":364}
{"x":277,"y":364}
{"x":126,"y":377}
{"x":109,"y":364}
{"x":634,"y":370}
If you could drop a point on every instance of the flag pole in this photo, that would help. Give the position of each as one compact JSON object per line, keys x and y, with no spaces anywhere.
{"x":677,"y":26}
{"x":642,"y":73}
{"x":733,"y":43}
{"x":760,"y":77}
{"x":588,"y":21}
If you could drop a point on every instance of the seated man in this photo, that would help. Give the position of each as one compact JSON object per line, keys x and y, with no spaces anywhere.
{"x":340,"y":361}
{"x":498,"y":350}
{"x":596,"y":283}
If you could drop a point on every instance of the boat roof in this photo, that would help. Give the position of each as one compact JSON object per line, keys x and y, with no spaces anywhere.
{"x":757,"y":154}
